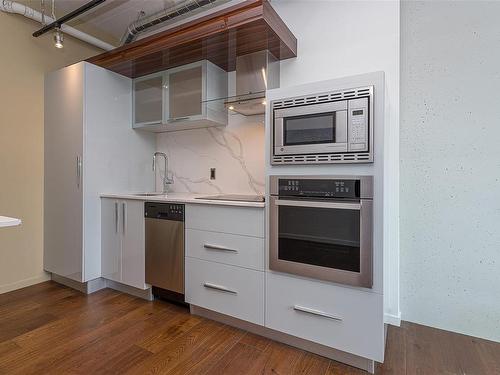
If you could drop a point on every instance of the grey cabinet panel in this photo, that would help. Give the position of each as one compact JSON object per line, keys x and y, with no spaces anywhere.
{"x":64,"y":173}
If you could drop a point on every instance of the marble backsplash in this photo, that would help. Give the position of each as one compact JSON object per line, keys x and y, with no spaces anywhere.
{"x":236,"y":151}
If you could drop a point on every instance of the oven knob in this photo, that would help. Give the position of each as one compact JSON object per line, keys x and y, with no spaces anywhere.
{"x":282,"y":149}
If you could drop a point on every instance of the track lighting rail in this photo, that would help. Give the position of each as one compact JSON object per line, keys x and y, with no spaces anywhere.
{"x":60,"y":21}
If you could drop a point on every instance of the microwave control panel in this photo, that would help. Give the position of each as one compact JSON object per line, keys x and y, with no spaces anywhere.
{"x":331,"y":188}
{"x":358,"y":125}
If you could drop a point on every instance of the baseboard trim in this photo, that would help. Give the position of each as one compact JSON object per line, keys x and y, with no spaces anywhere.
{"x":24,"y":283}
{"x":146,"y":294}
{"x":88,"y":287}
{"x":95,"y":285}
{"x":322,"y":350}
{"x":393,"y":320}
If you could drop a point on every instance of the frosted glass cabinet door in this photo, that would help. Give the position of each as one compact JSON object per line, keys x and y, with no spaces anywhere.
{"x":185,"y":92}
{"x":148,"y":100}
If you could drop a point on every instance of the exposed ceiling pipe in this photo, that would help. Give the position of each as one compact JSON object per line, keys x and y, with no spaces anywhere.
{"x":182,"y":8}
{"x":17,"y":8}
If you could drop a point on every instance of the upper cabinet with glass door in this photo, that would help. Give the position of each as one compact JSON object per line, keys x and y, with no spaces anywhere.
{"x":148,"y":100}
{"x":181,"y":98}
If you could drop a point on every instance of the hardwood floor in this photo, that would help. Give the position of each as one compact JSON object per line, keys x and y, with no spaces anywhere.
{"x":51,"y":329}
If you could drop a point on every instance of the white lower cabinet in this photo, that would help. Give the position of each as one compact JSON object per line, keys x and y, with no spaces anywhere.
{"x":111,"y":240}
{"x":225,"y":260}
{"x":339,"y":317}
{"x":233,"y":249}
{"x":230,"y":290}
{"x":122,"y":241}
{"x":246,"y":221}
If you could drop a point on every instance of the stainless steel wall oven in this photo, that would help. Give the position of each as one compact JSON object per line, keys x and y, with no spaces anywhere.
{"x":322,"y":227}
{"x":331,"y":127}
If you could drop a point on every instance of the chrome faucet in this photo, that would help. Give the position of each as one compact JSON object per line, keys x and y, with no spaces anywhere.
{"x":166,"y":180}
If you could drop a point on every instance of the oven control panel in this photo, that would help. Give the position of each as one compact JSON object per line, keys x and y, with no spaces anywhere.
{"x":319,"y":188}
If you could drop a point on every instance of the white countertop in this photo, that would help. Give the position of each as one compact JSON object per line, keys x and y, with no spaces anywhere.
{"x":182,"y":198}
{"x":9,"y":221}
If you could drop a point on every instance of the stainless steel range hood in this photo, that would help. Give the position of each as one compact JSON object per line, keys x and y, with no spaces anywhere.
{"x":255,"y":73}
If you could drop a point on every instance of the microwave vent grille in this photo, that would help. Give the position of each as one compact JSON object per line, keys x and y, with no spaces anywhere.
{"x":322,"y":158}
{"x":323,"y":97}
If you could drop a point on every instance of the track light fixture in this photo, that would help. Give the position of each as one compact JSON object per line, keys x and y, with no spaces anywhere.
{"x":58,"y":38}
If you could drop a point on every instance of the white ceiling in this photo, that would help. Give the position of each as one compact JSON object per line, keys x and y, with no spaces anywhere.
{"x":109,"y":20}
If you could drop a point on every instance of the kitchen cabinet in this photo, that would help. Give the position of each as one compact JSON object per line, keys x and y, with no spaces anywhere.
{"x":343,"y":318}
{"x":148,"y":99}
{"x":180,"y":98}
{"x":225,"y":260}
{"x":122,"y":242}
{"x":234,"y":291}
{"x":89,"y":148}
{"x":111,"y":239}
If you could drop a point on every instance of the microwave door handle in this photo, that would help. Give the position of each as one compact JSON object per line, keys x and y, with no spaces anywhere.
{"x":316,"y":204}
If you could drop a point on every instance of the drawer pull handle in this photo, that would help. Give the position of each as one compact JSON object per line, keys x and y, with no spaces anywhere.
{"x":317,"y":312}
{"x":219,"y":287}
{"x":217,"y":247}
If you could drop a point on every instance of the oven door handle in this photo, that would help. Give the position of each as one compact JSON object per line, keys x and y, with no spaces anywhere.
{"x":316,"y":204}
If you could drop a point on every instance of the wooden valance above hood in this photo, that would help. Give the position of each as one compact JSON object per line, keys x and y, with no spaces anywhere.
{"x":245,"y":27}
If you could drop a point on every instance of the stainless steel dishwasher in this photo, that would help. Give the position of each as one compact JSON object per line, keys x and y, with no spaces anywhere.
{"x":165,"y":249}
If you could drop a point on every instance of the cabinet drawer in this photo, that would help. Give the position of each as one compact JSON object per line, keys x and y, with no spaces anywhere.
{"x":230,"y":290}
{"x":248,"y":221}
{"x":243,"y":251}
{"x":342,"y":318}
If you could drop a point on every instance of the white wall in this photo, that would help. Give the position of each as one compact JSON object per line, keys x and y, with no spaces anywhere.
{"x":450,"y":166}
{"x":343,"y":38}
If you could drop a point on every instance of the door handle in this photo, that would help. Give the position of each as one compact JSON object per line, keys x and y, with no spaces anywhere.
{"x":217,"y":247}
{"x":124,"y":217}
{"x":175,"y":119}
{"x":78,"y":171}
{"x":220,"y":288}
{"x":308,"y":310}
{"x":315,"y":204}
{"x":116,"y":217}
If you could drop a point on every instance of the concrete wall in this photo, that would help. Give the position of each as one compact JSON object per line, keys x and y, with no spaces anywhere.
{"x":450,"y":165}
{"x":24,"y":61}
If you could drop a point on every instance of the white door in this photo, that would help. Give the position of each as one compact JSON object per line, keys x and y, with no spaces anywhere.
{"x":133,"y":250}
{"x":111,"y":238}
{"x":63,"y":175}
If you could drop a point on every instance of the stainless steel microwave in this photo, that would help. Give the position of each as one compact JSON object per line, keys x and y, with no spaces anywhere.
{"x":332,"y":127}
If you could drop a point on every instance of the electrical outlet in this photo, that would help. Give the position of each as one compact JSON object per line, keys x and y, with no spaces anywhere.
{"x":212,"y":173}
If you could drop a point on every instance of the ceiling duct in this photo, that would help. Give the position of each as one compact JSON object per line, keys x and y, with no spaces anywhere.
{"x":182,"y":9}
